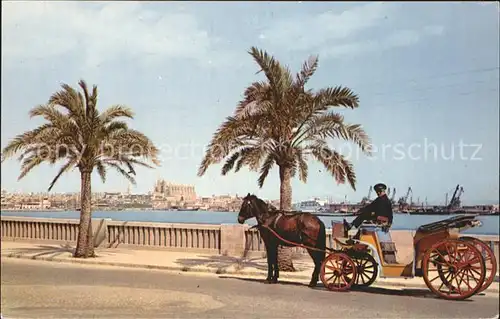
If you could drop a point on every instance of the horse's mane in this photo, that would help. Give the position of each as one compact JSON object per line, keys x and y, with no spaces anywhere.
{"x":270,"y":209}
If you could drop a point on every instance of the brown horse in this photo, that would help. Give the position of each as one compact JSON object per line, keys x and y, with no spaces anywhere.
{"x":297,"y":227}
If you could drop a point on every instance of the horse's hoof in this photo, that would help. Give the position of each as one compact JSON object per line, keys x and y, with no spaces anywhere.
{"x":312,"y":285}
{"x":267,"y":282}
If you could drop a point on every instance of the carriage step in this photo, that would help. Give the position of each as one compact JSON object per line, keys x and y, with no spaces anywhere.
{"x":388,"y":246}
{"x":389,"y":252}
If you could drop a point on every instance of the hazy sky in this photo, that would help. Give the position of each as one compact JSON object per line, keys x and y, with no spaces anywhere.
{"x":425,"y":73}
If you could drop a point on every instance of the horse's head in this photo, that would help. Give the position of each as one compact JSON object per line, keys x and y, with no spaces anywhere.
{"x":252,"y":206}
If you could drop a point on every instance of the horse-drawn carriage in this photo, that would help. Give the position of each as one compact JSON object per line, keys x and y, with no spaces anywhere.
{"x":453,"y":267}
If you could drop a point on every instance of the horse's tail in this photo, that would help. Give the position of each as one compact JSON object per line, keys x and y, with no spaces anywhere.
{"x":321,"y":242}
{"x":320,"y":255}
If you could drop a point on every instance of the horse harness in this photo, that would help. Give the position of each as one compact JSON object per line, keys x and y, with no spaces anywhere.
{"x":276,"y":219}
{"x":274,"y":223}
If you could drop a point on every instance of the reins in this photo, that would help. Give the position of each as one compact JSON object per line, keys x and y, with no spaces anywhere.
{"x":293,"y":243}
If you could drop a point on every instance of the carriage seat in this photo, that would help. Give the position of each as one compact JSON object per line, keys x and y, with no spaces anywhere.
{"x":460,"y":221}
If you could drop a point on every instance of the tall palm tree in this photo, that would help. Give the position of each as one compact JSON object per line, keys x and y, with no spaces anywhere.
{"x":76,"y":132}
{"x":281,"y":122}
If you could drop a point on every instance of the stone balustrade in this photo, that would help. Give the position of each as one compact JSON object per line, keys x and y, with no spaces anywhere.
{"x":233,"y":240}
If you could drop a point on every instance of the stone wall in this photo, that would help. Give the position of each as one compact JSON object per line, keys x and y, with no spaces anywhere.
{"x":233,"y":240}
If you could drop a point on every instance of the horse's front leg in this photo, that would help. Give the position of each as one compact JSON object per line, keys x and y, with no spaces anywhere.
{"x":269,"y":265}
{"x":274,"y":261}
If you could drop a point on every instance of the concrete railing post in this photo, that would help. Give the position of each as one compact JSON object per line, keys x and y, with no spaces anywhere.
{"x":100,"y":231}
{"x":232,"y":240}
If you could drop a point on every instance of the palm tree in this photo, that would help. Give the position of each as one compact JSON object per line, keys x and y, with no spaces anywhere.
{"x":76,"y":132}
{"x":280,"y":122}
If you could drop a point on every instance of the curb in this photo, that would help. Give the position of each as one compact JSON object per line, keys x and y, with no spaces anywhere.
{"x":195,"y":270}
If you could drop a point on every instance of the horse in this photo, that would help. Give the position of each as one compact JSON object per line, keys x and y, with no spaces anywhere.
{"x":296,"y":227}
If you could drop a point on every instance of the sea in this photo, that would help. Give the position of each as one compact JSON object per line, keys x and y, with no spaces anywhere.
{"x":490,"y":224}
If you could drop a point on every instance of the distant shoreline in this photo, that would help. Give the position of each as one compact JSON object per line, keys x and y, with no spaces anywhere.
{"x":116,"y":210}
{"x":345,"y":214}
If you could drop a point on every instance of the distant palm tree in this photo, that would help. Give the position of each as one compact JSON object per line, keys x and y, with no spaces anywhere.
{"x":78,"y":133}
{"x":280,"y":122}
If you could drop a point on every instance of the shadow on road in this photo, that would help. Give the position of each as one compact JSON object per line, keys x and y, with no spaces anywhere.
{"x":222,"y":262}
{"x":42,"y":250}
{"x":50,"y":251}
{"x":405,"y":292}
{"x":284,"y":283}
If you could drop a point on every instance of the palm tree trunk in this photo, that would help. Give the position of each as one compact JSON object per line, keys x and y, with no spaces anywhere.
{"x":85,"y":242}
{"x":285,"y":253}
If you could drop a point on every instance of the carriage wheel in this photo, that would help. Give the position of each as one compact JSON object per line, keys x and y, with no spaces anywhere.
{"x":459,"y":267}
{"x":366,"y":269}
{"x":489,"y":260}
{"x":338,"y":272}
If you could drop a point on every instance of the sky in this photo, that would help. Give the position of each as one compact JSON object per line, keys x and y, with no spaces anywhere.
{"x":427,"y":75}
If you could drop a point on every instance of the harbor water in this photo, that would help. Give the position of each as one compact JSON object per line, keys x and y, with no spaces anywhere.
{"x":490,"y":224}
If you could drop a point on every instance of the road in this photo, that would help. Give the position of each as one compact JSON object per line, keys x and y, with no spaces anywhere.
{"x":34,"y":289}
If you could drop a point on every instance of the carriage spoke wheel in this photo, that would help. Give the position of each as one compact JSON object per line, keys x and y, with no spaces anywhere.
{"x":338,"y":272}
{"x":454,"y":269}
{"x":366,"y":270}
{"x":489,"y":260}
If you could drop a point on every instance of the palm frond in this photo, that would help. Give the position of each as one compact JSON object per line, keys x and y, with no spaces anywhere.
{"x":337,"y":96}
{"x":274,"y":71}
{"x":122,"y":172}
{"x":228,"y":166}
{"x":128,"y":144}
{"x":302,"y":165}
{"x":339,"y":167}
{"x":307,"y":71}
{"x":101,"y":170}
{"x":89,"y":102}
{"x":265,"y":169}
{"x":331,"y":125}
{"x":29,"y":163}
{"x":251,"y":157}
{"x":68,"y":99}
{"x":231,"y":135}
{"x":25,"y":140}
{"x":255,"y":97}
{"x":65,"y":168}
{"x":321,"y":101}
{"x":131,"y":161}
{"x":115,"y":126}
{"x":114,"y":112}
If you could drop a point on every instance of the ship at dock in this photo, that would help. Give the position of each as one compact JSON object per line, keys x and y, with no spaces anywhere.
{"x":403,"y":205}
{"x":453,"y":206}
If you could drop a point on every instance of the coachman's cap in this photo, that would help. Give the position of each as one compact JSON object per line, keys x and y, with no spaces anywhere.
{"x":380,"y":187}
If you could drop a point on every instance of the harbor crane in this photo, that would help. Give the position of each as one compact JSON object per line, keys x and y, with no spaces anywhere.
{"x":393,"y":196}
{"x":403,"y":201}
{"x":366,"y":199}
{"x":455,"y":199}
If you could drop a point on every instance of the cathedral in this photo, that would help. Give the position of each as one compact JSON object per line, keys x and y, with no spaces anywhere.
{"x":177,"y":192}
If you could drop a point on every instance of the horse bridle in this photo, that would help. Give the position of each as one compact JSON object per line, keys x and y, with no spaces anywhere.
{"x":259,"y":220}
{"x":253,"y":207}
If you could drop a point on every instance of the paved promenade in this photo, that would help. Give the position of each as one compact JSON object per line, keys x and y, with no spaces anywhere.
{"x":36,"y":289}
{"x":183,"y":262}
